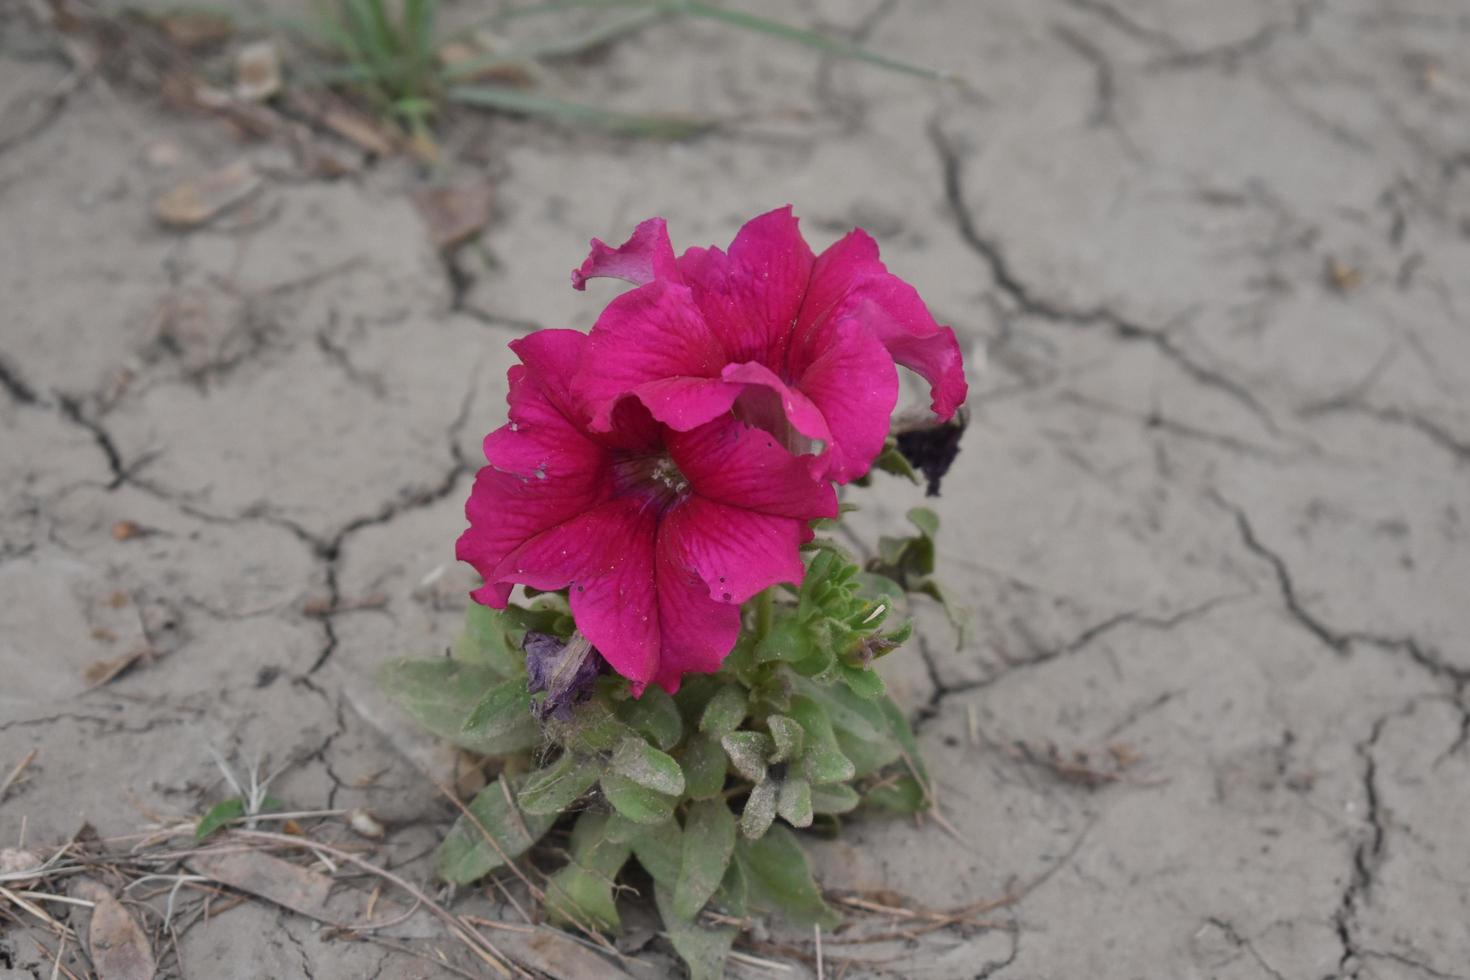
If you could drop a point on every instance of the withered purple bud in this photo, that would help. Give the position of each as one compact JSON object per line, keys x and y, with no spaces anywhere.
{"x":931,"y":447}
{"x":564,"y":669}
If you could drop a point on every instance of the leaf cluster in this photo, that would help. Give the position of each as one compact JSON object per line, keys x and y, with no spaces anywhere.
{"x":701,"y":789}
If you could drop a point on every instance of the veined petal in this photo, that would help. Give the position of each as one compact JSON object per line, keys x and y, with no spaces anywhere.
{"x":605,"y":557}
{"x":736,"y":552}
{"x":697,"y":632}
{"x":731,"y":463}
{"x":651,"y":333}
{"x":849,"y":281}
{"x":506,"y":509}
{"x":646,"y":255}
{"x":751,"y":295}
{"x":850,"y":378}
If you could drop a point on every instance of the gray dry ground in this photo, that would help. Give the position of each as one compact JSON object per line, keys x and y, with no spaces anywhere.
{"x":1214,"y":508}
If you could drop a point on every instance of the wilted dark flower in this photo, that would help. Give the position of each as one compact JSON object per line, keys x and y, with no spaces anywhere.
{"x":564,"y":669}
{"x":931,"y":448}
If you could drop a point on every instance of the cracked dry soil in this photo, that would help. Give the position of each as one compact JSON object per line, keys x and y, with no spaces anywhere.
{"x":1212,"y":518}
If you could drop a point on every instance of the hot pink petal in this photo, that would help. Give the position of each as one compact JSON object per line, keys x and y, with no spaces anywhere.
{"x":849,"y":280}
{"x":736,"y":552}
{"x":730,"y":463}
{"x":644,"y":257}
{"x":751,"y":296}
{"x":652,"y":333}
{"x":605,"y":557}
{"x":797,"y":407}
{"x":850,"y":378}
{"x":505,"y":509}
{"x":686,"y":403}
{"x":697,"y":632}
{"x":545,"y":433}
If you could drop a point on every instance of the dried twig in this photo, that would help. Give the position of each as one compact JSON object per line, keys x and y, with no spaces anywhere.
{"x":15,"y":773}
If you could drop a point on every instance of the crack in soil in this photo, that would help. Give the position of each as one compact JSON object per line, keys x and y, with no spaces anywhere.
{"x":1031,"y":302}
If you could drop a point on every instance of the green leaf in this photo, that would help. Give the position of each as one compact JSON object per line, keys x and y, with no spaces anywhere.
{"x":822,"y":761}
{"x":725,"y":711}
{"x":834,"y":798}
{"x":788,"y":735}
{"x":467,"y":853}
{"x":591,"y":729}
{"x":862,"y":681}
{"x":654,"y":716}
{"x":487,"y":641}
{"x":709,"y":842}
{"x":582,"y":892}
{"x":648,"y":767}
{"x":703,"y":760}
{"x":659,"y":850}
{"x":794,"y":803}
{"x":925,"y":520}
{"x":702,"y":948}
{"x":748,"y":752}
{"x":501,"y":712}
{"x":760,"y":809}
{"x":219,"y":815}
{"x":861,"y":730}
{"x":903,"y":794}
{"x":442,"y":694}
{"x":575,"y":113}
{"x":553,"y":789}
{"x":890,"y":460}
{"x":779,"y":879}
{"x":637,"y":803}
{"x":732,"y":894}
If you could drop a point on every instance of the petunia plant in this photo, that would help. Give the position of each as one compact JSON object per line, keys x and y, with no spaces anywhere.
{"x":686,"y":674}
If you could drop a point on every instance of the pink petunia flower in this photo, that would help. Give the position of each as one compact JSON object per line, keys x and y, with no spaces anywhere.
{"x":801,"y":344}
{"x":659,"y":534}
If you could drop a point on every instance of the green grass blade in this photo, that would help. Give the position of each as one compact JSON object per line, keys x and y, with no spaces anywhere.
{"x":796,"y":35}
{"x":531,"y":104}
{"x":583,"y":41}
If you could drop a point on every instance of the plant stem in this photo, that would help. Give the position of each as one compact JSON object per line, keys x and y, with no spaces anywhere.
{"x":763,"y":614}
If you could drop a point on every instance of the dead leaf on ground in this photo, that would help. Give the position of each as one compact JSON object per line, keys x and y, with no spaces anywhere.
{"x":195,"y":28}
{"x":196,"y":202}
{"x":257,"y":72}
{"x":362,"y":130}
{"x":293,"y":887}
{"x":15,"y":860}
{"x":453,"y":213}
{"x":100,"y":672}
{"x":557,"y":955}
{"x":127,"y":530}
{"x":119,"y":949}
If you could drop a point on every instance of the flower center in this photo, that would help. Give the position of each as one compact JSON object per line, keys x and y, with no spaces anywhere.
{"x":652,"y":476}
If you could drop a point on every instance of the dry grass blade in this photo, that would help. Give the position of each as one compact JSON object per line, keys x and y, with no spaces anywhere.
{"x":15,"y":774}
{"x":479,"y":945}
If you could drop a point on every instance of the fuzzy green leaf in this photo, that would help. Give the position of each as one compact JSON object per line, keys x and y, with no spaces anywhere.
{"x":654,"y":716}
{"x":500,"y":712}
{"x":863,"y":733}
{"x":442,"y":694}
{"x":703,"y":760}
{"x":638,"y":803}
{"x":862,"y":681}
{"x":659,"y":850}
{"x":822,"y":760}
{"x":575,"y":113}
{"x":648,"y":767}
{"x":794,"y":802}
{"x":591,"y":729}
{"x":466,"y":854}
{"x":581,"y":893}
{"x":553,"y":789}
{"x":725,"y":711}
{"x":487,"y":641}
{"x":748,"y":752}
{"x":703,"y":948}
{"x":788,"y":736}
{"x":760,"y":809}
{"x":890,"y":460}
{"x":709,"y":842}
{"x":834,"y":798}
{"x":779,"y":879}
